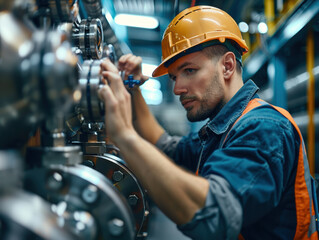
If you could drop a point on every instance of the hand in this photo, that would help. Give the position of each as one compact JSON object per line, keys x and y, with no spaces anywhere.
{"x":132,"y":65}
{"x":117,"y":101}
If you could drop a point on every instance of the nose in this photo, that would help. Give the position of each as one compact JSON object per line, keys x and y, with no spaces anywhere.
{"x":179,"y":87}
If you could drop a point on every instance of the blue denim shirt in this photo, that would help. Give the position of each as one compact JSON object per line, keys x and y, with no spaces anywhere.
{"x":251,"y":176}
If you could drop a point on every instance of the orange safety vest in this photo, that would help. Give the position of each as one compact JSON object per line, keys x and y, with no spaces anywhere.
{"x":305,"y":212}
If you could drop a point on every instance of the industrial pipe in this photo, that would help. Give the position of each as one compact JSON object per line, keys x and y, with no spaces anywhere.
{"x":311,"y":103}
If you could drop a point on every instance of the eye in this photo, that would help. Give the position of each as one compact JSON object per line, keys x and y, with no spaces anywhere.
{"x":190,"y":70}
{"x":172,"y":77}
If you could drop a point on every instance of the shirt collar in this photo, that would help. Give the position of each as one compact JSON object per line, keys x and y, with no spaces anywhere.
{"x":233,"y":109}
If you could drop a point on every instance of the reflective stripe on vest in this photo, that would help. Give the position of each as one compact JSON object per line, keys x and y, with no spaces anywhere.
{"x":306,"y":222}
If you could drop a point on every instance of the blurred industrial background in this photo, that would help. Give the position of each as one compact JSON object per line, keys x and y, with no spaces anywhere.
{"x":58,"y":172}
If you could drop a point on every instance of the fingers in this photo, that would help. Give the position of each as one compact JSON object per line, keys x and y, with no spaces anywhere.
{"x":109,"y":72}
{"x":114,"y":91}
{"x":115,"y":96}
{"x":122,"y":61}
{"x":112,"y":98}
{"x":107,"y":65}
{"x":114,"y":81}
{"x":131,"y":64}
{"x":118,"y":112}
{"x":117,"y":100}
{"x":105,"y":93}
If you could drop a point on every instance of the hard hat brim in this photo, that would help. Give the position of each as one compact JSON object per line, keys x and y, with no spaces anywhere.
{"x":162,"y":69}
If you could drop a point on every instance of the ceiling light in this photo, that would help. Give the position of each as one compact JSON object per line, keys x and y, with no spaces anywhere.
{"x":262,"y":28}
{"x":136,"y":21}
{"x":243,"y":27}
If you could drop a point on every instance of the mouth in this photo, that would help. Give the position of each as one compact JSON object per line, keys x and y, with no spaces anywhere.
{"x":187,"y":103}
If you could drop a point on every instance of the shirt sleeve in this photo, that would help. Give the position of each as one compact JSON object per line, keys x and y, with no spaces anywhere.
{"x":220,"y":218}
{"x":184,"y":151}
{"x":168,"y":144}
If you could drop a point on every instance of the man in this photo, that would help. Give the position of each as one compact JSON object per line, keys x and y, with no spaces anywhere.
{"x":247,"y":174}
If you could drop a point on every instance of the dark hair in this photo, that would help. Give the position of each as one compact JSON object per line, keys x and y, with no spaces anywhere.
{"x":217,"y":51}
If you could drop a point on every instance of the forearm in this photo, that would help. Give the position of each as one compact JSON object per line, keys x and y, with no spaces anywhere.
{"x":144,"y":121}
{"x":179,"y":194}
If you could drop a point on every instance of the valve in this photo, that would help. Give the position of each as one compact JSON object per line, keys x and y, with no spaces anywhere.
{"x":131,"y":82}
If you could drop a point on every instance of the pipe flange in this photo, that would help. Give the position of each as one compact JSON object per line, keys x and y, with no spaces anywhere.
{"x":123,"y":179}
{"x":83,"y":191}
{"x":91,"y":107}
{"x":88,"y":37}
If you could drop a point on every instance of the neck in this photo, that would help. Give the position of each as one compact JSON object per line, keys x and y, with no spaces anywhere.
{"x":233,"y":85}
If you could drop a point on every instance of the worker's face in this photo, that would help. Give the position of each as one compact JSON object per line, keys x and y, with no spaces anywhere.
{"x":199,"y":84}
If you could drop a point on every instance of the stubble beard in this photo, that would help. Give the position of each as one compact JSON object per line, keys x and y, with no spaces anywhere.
{"x":206,"y":111}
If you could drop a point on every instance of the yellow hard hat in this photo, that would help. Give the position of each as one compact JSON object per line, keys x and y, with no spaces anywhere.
{"x":196,"y":26}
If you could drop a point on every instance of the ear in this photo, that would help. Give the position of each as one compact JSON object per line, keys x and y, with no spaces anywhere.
{"x":229,"y":65}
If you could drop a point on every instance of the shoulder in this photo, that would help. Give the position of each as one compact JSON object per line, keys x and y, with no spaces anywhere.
{"x":265,"y":116}
{"x":261,"y":127}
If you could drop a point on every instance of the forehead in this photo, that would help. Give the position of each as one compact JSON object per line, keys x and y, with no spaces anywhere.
{"x":195,"y":58}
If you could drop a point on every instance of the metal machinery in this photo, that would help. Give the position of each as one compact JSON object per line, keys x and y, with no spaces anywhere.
{"x":60,"y":176}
